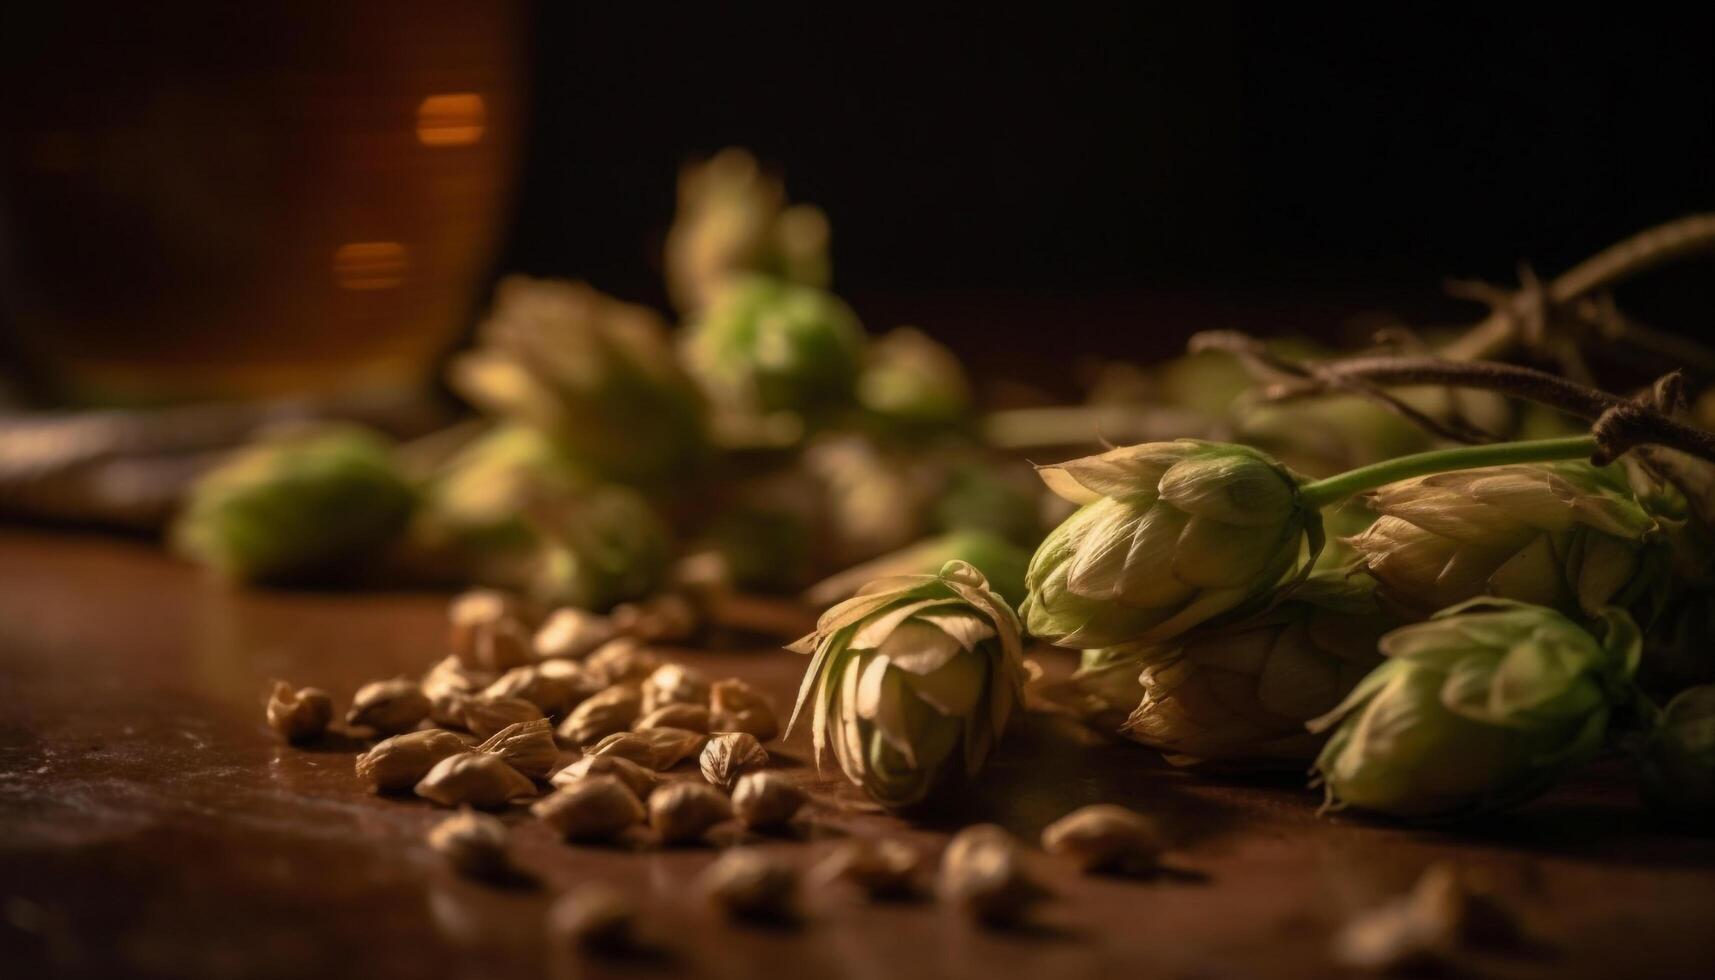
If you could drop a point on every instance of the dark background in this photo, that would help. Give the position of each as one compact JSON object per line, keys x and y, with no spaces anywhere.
{"x":1072,"y":156}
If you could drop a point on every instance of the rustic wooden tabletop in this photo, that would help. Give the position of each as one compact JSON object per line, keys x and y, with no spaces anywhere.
{"x":151,"y":825}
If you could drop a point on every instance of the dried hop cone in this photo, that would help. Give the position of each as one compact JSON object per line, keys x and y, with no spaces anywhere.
{"x":1479,"y":708}
{"x":595,"y":807}
{"x":475,"y":779}
{"x":301,"y":715}
{"x":389,"y":707}
{"x":1244,"y":692}
{"x":912,"y":682}
{"x":729,"y":756}
{"x":1169,"y":535}
{"x":398,"y":763}
{"x":1565,"y":535}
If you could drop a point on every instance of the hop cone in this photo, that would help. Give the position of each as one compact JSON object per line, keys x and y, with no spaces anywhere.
{"x":1244,"y":693}
{"x":1479,"y":708}
{"x":295,"y":506}
{"x":733,"y":218}
{"x":1170,"y":535}
{"x":913,"y":381}
{"x":1567,"y":536}
{"x":601,"y":546}
{"x":765,"y":346}
{"x":912,"y":681}
{"x":595,"y":375}
{"x":1678,"y":760}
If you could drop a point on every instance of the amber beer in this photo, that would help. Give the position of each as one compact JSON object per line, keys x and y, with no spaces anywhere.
{"x":214,"y":200}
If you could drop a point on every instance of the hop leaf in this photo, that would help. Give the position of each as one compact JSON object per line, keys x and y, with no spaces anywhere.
{"x":912,"y":682}
{"x":1479,"y":708}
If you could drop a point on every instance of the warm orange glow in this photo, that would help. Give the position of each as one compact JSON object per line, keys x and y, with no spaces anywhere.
{"x":453,"y":119}
{"x":369,"y":265}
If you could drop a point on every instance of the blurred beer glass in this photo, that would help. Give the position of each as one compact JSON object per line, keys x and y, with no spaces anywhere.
{"x":236,"y":200}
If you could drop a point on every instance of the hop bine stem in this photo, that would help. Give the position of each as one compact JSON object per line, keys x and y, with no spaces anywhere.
{"x":1321,"y":493}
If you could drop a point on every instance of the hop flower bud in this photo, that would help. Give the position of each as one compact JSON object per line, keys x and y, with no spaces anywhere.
{"x":765,"y":346}
{"x":1479,"y":708}
{"x":1568,"y":536}
{"x":596,"y":376}
{"x":733,"y":217}
{"x":294,"y":506}
{"x":1169,"y":535}
{"x":913,"y":381}
{"x":599,"y":547}
{"x":1243,"y":693}
{"x":1678,"y":769}
{"x":913,"y":681}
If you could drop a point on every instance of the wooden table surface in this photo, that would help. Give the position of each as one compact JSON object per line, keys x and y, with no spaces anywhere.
{"x":151,"y":825}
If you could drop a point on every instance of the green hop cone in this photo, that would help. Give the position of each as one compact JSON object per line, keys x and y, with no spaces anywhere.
{"x":978,"y":495}
{"x":1482,"y":707}
{"x":732,"y":218}
{"x":474,"y":501}
{"x":1169,"y":535}
{"x":1677,"y":767}
{"x":765,"y":346}
{"x":912,"y":682}
{"x":1244,"y":693}
{"x":601,"y":546}
{"x":910,"y":379}
{"x":594,"y":374}
{"x":295,"y":505}
{"x":1564,"y":535}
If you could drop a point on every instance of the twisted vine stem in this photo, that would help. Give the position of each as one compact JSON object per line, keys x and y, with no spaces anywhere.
{"x":1529,"y":310}
{"x":1618,"y":424}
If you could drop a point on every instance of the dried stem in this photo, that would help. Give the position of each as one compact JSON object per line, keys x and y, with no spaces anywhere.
{"x":1619,"y":424}
{"x":1530,"y":309}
